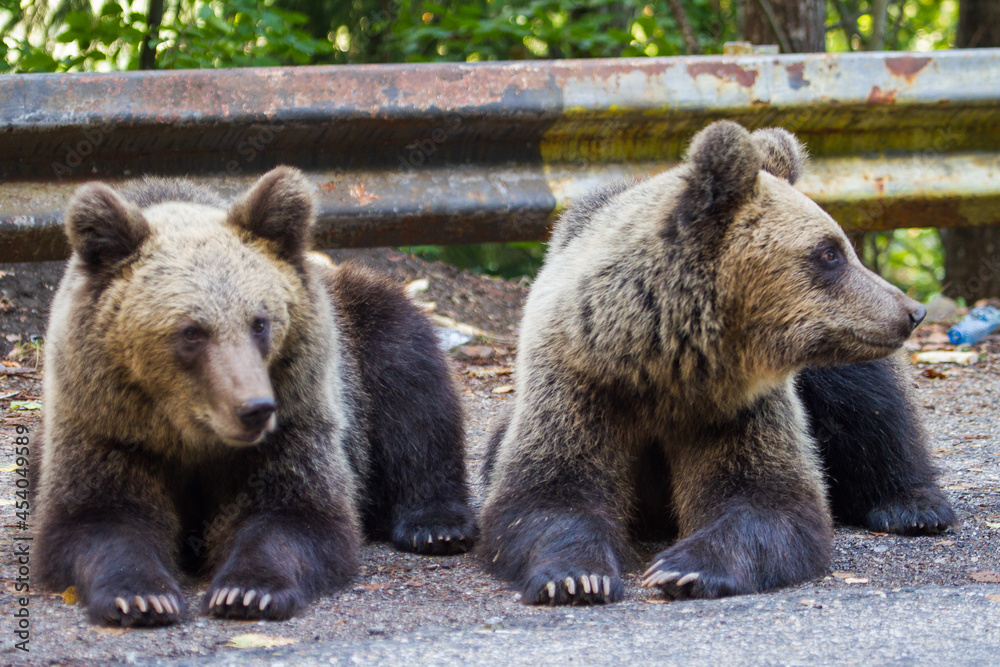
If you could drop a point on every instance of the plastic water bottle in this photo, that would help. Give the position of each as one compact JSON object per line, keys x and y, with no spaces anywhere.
{"x":979,"y":323}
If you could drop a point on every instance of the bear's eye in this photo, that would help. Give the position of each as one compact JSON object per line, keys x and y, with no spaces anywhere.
{"x":830,"y":257}
{"x":190,"y":343}
{"x":259,"y":326}
{"x":192,"y":335}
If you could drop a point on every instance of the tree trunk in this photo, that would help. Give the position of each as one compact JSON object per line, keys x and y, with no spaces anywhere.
{"x":797,"y":26}
{"x":147,"y":52}
{"x":880,"y":18}
{"x":691,"y":46}
{"x":971,"y":254}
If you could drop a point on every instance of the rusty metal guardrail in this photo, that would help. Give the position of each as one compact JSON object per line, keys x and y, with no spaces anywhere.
{"x":467,"y":153}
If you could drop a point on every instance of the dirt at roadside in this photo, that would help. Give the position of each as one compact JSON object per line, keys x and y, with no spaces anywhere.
{"x":397,"y":593}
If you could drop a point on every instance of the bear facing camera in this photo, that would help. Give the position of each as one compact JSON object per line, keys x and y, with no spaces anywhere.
{"x":219,"y":404}
{"x":703,"y":358}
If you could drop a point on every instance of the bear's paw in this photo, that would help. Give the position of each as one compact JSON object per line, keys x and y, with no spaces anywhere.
{"x":253,"y":602}
{"x":923,"y":511}
{"x":674,"y":583}
{"x":129,"y":608}
{"x":441,"y":530}
{"x":681,"y":574}
{"x":555,"y":585}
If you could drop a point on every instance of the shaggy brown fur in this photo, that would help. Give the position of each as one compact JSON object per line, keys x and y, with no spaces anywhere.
{"x":655,"y":381}
{"x":216,"y":401}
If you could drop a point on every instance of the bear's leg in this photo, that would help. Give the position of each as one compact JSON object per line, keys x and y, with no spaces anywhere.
{"x":555,"y":526}
{"x":290,"y":532}
{"x":416,"y":490}
{"x":874,"y":448}
{"x":751,"y":508}
{"x":416,"y":484}
{"x":556,"y":547}
{"x":279,"y":561}
{"x":111,"y":531}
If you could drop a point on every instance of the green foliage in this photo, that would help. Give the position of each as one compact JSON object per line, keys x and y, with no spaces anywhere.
{"x":479,"y":30}
{"x":912,"y":25}
{"x":509,"y":260}
{"x":237,"y":33}
{"x":483,"y":30}
{"x":911,"y":259}
{"x":193,"y":34}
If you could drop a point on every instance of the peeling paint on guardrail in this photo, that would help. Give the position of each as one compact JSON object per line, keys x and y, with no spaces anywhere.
{"x":468,"y":153}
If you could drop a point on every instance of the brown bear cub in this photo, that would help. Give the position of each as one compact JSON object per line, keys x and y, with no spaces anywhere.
{"x":216,"y":402}
{"x":660,"y":389}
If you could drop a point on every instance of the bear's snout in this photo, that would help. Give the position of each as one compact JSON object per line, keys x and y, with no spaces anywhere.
{"x":255,"y":413}
{"x":243,"y":407}
{"x":917,"y":316}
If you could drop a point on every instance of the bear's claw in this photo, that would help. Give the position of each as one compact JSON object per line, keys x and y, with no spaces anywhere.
{"x":443,"y":543}
{"x":252,"y":603}
{"x":140,"y":610}
{"x":227,"y":596}
{"x":440,"y":531}
{"x":674,"y":583}
{"x":920,"y":512}
{"x":589,"y":584}
{"x":653,"y":579}
{"x":584,"y":589}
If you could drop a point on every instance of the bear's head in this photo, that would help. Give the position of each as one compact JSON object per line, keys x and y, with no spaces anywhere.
{"x":194,"y":301}
{"x":790,"y":287}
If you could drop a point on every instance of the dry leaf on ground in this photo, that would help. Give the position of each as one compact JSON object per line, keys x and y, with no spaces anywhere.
{"x":489,"y":371}
{"x":945,"y":357}
{"x":256,"y":640}
{"x":108,"y":632}
{"x":417,"y":286}
{"x":986,"y":577}
{"x":372,"y":587}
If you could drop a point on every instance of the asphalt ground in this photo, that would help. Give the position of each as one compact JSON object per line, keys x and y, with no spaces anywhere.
{"x":886,"y":599}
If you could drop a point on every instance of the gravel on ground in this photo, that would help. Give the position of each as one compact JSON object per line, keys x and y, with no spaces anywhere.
{"x":885,"y":599}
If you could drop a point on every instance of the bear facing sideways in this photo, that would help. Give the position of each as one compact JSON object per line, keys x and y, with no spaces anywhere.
{"x":219,"y":403}
{"x":660,"y":389}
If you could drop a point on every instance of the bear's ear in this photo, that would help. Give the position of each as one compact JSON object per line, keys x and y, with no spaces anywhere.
{"x":724,"y":163}
{"x":103,"y":229}
{"x":279,"y":208}
{"x":783,"y":154}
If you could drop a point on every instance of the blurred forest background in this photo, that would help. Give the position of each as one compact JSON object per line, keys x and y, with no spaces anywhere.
{"x":84,"y":35}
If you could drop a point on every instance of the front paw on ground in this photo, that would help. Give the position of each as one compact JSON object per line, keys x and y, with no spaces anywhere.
{"x":680,"y":576}
{"x":921,"y":512}
{"x":442,"y":534}
{"x":436,"y":540}
{"x":553,"y":587}
{"x":675,"y":584}
{"x":249,"y":602}
{"x":131,"y":609}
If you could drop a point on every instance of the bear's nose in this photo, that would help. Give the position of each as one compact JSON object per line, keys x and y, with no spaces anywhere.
{"x":917,"y":316}
{"x":254,"y":413}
